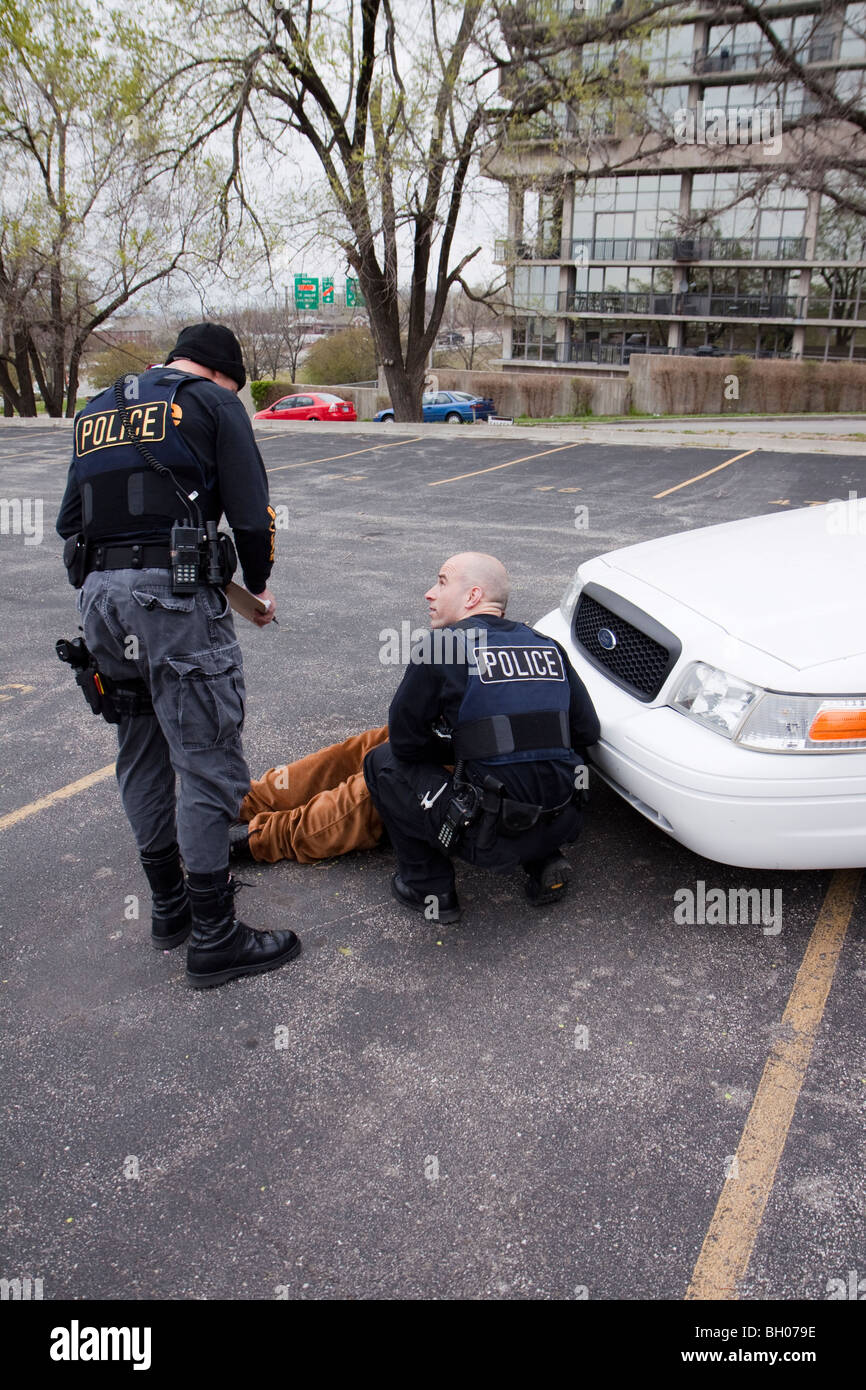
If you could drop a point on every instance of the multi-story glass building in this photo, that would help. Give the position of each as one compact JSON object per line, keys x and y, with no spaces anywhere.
{"x":699,"y":241}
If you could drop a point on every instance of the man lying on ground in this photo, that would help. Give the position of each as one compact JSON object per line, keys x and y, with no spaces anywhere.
{"x":481,"y":758}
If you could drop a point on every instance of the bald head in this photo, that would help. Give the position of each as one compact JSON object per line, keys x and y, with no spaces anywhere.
{"x":468,"y":585}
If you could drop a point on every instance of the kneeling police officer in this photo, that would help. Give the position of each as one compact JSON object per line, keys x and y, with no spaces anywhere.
{"x":501,"y":702}
{"x":157,"y":460}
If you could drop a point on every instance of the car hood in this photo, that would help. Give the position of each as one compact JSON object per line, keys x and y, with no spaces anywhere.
{"x":790,"y":584}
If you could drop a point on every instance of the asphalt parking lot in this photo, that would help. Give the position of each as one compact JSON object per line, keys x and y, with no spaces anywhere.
{"x":532,"y":1104}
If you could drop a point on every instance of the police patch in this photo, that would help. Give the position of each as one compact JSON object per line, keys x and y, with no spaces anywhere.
{"x":103,"y":430}
{"x":497,"y":664}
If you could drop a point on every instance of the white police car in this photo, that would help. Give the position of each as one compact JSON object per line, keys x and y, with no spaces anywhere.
{"x":728,"y":669}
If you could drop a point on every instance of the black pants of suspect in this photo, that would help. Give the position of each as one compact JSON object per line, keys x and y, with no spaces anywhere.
{"x":412,"y":799}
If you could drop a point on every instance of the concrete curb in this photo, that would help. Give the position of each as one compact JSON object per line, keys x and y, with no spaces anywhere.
{"x":39,"y":422}
{"x":688,"y":437}
{"x":684,"y":435}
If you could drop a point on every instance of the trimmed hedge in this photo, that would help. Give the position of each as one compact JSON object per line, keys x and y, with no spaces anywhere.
{"x":763,"y":386}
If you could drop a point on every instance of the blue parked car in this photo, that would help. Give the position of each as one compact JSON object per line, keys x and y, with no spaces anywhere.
{"x":452,"y":407}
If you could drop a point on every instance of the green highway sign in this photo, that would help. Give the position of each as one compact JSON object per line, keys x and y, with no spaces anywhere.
{"x":327,"y":291}
{"x":306,"y":292}
{"x":353,"y":293}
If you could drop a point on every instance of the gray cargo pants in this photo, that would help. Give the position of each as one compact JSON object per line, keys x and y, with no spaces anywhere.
{"x":184,"y":648}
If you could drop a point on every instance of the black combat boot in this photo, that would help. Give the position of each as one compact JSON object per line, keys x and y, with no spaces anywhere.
{"x":546,"y":879}
{"x":221,"y":947}
{"x":437,"y":907}
{"x":171,"y":922}
{"x":239,"y":843}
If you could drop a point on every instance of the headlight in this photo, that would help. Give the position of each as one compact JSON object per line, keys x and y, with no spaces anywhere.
{"x":568,"y":602}
{"x":806,"y":724}
{"x":715,"y":698}
{"x":766,"y":720}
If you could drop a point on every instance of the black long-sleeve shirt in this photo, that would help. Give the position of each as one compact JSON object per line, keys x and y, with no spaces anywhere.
{"x":215,"y":425}
{"x":432,"y":691}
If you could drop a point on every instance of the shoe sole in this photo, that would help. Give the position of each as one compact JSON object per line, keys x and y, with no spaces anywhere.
{"x":222,"y":977}
{"x":551,"y":892}
{"x":553,"y":895}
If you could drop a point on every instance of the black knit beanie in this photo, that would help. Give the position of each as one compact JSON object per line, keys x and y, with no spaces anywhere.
{"x":211,"y":345}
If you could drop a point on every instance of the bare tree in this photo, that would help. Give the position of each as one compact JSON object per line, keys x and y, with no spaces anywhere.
{"x":294,"y":334}
{"x":478,"y":309}
{"x":92,"y":213}
{"x":259,"y":330}
{"x":396,"y":100}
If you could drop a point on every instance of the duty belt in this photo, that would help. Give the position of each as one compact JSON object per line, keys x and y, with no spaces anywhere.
{"x":129,"y":557}
{"x":499,"y":813}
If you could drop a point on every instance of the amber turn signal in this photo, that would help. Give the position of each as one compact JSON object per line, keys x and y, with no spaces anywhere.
{"x":839,"y":724}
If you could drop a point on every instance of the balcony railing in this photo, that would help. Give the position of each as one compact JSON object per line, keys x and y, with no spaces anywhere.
{"x":740,"y":58}
{"x":620,"y":354}
{"x":605,"y":354}
{"x":683,"y":249}
{"x":562,"y":125}
{"x":823,"y":307}
{"x":536,"y":352}
{"x":641,"y":250}
{"x":684,"y":305}
{"x":506,"y":250}
{"x":522,"y":15}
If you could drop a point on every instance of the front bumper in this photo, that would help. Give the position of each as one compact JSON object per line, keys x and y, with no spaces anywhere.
{"x":730,"y":804}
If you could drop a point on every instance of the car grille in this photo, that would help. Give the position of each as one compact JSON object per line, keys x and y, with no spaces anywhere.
{"x":638,"y":662}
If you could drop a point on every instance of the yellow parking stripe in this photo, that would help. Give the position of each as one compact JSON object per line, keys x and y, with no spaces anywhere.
{"x":698,"y":476}
{"x":460,"y":476}
{"x":62,"y":794}
{"x":332,"y":457}
{"x":731,"y":1237}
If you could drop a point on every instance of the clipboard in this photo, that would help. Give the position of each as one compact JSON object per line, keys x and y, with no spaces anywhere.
{"x":243,"y":602}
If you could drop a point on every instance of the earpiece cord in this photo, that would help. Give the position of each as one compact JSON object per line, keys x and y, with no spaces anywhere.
{"x":189,"y":503}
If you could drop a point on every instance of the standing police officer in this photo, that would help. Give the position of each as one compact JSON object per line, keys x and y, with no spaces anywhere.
{"x":174,"y":448}
{"x":502,"y":703}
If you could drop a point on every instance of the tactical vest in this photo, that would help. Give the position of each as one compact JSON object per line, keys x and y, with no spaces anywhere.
{"x":517,"y":700}
{"x":121,"y":495}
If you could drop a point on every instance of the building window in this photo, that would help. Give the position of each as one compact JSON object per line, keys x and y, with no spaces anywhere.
{"x":534,"y":339}
{"x":624,"y":208}
{"x":536,"y":287}
{"x":853,"y":44}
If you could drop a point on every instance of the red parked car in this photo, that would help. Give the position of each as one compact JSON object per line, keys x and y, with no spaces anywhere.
{"x":320,"y":406}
